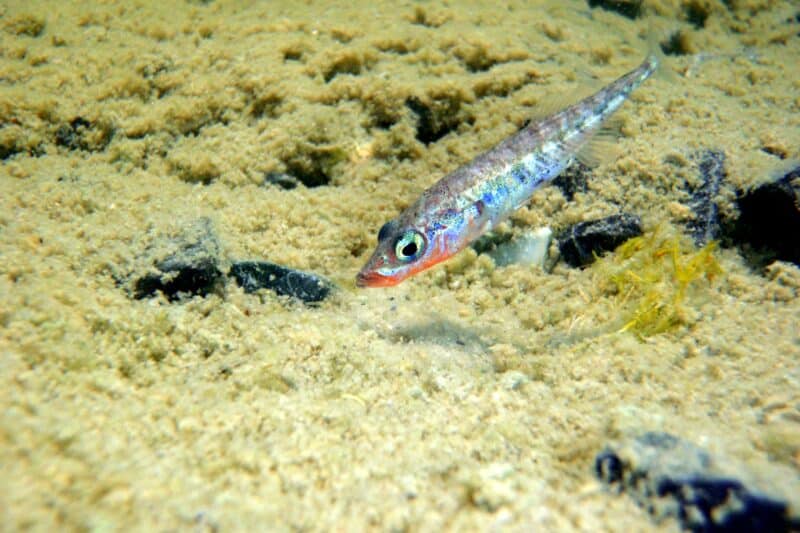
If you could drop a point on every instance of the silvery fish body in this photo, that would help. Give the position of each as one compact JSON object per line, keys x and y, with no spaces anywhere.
{"x":474,"y":198}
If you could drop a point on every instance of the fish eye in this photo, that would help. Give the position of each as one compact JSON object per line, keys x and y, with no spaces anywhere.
{"x":409,"y":246}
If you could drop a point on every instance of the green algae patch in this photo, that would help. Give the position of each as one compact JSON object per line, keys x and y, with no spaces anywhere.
{"x":657,"y":279}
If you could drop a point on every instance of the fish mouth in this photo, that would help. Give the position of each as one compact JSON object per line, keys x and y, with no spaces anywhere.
{"x":370,"y":279}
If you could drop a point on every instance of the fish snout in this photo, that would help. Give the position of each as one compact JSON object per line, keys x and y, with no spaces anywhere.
{"x":370,"y":278}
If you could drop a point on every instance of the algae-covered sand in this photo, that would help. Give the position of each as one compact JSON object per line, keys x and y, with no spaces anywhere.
{"x":469,"y":397}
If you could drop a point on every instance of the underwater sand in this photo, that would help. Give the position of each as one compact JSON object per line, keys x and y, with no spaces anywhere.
{"x":470,"y":397}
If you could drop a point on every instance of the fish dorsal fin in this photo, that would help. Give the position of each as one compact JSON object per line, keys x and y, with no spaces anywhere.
{"x":551,"y":104}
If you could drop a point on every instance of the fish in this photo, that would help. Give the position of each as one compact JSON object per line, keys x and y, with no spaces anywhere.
{"x":474,"y":198}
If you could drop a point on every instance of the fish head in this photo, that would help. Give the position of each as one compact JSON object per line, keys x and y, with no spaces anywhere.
{"x":403,"y":250}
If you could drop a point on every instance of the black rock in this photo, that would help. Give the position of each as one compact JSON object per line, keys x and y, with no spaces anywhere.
{"x":186,"y":265}
{"x":671,"y":477}
{"x":580,"y":243}
{"x":703,"y":198}
{"x":768,"y":226}
{"x":255,"y":275}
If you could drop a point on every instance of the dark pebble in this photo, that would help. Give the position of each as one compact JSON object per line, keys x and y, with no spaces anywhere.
{"x":768,"y":226}
{"x":186,"y":265}
{"x":255,"y":275}
{"x":671,"y":477}
{"x":580,"y":243}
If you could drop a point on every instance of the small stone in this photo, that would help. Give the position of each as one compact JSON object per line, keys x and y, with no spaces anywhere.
{"x":528,"y":249}
{"x":580,"y":243}
{"x":255,"y":275}
{"x":671,"y":477}
{"x":185,"y":265}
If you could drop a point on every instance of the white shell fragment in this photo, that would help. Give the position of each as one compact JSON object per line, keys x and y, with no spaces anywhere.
{"x":527,"y":249}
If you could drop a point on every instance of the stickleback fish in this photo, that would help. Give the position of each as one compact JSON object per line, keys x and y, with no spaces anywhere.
{"x":474,"y":198}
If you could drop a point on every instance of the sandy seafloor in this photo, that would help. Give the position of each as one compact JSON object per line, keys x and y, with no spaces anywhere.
{"x":471,"y":397}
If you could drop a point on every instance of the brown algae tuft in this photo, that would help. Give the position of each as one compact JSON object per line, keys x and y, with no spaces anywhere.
{"x":654,"y":279}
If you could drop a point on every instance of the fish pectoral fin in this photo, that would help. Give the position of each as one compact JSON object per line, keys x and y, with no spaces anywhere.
{"x":602,"y":147}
